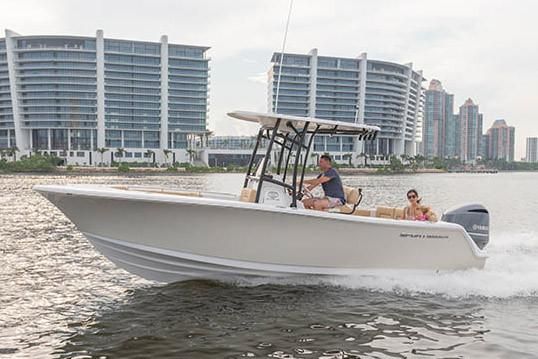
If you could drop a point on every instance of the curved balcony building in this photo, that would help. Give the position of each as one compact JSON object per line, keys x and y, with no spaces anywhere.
{"x":381,"y":93}
{"x":71,"y":95}
{"x":7,"y":129}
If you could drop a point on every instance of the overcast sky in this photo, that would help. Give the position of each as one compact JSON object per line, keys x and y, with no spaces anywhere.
{"x":483,"y":49}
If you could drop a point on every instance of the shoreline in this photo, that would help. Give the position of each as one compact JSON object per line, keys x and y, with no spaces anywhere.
{"x":82,"y":170}
{"x":133,"y":171}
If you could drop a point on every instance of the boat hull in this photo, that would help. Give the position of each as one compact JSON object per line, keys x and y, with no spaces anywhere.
{"x":170,"y":238}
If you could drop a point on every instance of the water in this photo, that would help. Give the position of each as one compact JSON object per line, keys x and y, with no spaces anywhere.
{"x":61,"y":299}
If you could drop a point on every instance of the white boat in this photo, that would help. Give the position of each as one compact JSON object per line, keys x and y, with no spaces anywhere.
{"x":168,"y":235}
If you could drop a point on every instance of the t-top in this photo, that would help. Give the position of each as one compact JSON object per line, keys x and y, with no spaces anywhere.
{"x":333,"y":188}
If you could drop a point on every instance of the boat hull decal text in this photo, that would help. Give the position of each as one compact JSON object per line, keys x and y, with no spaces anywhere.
{"x":408,"y":235}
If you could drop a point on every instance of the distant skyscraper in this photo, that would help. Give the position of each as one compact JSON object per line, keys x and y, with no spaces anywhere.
{"x":532,"y":149}
{"x":500,"y":141}
{"x":484,"y":145}
{"x":452,"y":134}
{"x":456,"y":132}
{"x":381,"y":93}
{"x":439,"y":128}
{"x":470,"y":130}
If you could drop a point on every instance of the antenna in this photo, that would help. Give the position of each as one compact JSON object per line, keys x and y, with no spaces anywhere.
{"x":282,"y":57}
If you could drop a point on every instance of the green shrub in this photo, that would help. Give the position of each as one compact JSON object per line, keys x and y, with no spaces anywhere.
{"x":382,"y":170}
{"x":171,"y":169}
{"x":396,"y":165}
{"x":124,"y":168}
{"x":36,"y":163}
{"x":69,"y":168}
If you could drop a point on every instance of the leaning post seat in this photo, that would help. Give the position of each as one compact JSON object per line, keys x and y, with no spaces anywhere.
{"x":353,"y":199}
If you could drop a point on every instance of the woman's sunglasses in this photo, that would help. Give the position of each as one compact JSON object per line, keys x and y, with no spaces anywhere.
{"x":411,"y":196}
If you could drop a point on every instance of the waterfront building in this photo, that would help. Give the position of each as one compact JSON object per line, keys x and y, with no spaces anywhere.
{"x":74,"y":95}
{"x":419,"y":134}
{"x":232,"y":142}
{"x":470,"y":131}
{"x":500,"y":141}
{"x":381,"y":93}
{"x":452,"y":140}
{"x":232,"y":150}
{"x":439,"y":130}
{"x":531,"y":149}
{"x":456,"y":135}
{"x":484,"y":145}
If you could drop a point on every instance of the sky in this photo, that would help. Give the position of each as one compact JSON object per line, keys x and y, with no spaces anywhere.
{"x":483,"y":49}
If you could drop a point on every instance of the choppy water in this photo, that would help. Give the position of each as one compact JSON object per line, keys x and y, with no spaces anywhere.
{"x":61,"y":299}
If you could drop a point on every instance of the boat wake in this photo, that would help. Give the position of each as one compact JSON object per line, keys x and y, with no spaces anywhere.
{"x":511,"y":271}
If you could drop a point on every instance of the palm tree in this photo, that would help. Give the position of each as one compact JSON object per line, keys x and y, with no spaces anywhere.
{"x":120,"y":151}
{"x":420,"y":159}
{"x":150,"y":154}
{"x":349,"y":157}
{"x":412,"y":163}
{"x":102,"y":151}
{"x":191,"y":155}
{"x":166,"y":153}
{"x":364,"y":157}
{"x":12,"y":152}
{"x":316,"y":156}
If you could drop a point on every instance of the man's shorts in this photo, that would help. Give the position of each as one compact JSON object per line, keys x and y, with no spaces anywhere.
{"x":334,"y":202}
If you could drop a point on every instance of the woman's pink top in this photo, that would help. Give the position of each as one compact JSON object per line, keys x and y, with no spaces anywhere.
{"x":422,"y":217}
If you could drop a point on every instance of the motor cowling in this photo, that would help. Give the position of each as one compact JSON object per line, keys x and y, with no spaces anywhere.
{"x":474,"y":218}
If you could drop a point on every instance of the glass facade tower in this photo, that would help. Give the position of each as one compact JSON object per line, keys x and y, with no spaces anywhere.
{"x":439,"y":130}
{"x":7,"y":129}
{"x":71,"y":95}
{"x":380,"y":93}
{"x":531,"y":149}
{"x":500,"y":141}
{"x":470,"y":131}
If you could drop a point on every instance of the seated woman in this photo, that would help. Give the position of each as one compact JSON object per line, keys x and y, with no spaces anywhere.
{"x":417,"y":212}
{"x":427,"y":214}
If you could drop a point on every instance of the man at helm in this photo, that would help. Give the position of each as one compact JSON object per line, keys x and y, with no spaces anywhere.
{"x":330,"y":180}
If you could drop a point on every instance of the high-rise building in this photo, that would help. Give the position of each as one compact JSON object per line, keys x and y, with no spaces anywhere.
{"x":484,"y":146}
{"x":452,"y":134}
{"x":456,"y":134}
{"x":72,"y":95}
{"x":439,"y":127}
{"x":381,"y":93}
{"x":500,"y":141}
{"x":470,"y":131}
{"x":532,"y":149}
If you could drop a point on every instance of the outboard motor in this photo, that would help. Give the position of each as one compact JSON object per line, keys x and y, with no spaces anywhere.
{"x":474,"y":218}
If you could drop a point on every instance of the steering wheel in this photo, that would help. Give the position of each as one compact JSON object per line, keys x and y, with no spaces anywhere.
{"x":306,"y":192}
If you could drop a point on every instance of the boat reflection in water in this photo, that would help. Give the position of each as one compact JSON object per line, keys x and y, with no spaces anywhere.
{"x":202,"y":319}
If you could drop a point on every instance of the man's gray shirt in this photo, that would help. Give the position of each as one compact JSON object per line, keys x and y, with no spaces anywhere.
{"x":333,"y":188}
